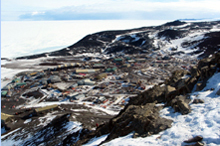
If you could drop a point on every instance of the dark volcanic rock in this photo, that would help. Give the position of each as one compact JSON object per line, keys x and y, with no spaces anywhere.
{"x":194,"y":139}
{"x":157,"y":93}
{"x":171,"y":34}
{"x":211,"y":44}
{"x":177,"y":53}
{"x":143,"y":120}
{"x":181,"y":104}
{"x":74,"y":137}
{"x":176,"y":77}
{"x":50,"y":132}
{"x":175,"y":23}
{"x":208,"y":45}
{"x":218,"y":92}
{"x":35,"y":94}
{"x":33,"y":56}
{"x":196,"y":101}
{"x":121,"y":47}
{"x":200,"y":86}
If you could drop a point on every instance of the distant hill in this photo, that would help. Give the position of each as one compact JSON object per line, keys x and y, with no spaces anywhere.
{"x":179,"y":38}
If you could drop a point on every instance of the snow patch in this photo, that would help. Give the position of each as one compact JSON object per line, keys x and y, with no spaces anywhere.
{"x":46,"y":119}
{"x":27,"y":121}
{"x":96,"y":141}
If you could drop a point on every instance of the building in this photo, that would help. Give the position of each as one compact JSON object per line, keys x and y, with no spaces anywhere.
{"x":21,"y":84}
{"x":17,"y":80}
{"x":4,"y":93}
{"x":6,"y":117}
{"x":86,"y":70}
{"x":99,"y":100}
{"x":131,"y":61}
{"x":33,"y":73}
{"x":117,"y":60}
{"x":101,"y":76}
{"x":141,"y":60}
{"x":54,"y":79}
{"x":111,"y":69}
{"x":75,"y":96}
{"x":78,"y":76}
{"x":8,"y":87}
{"x":86,"y":82}
{"x":45,"y":109}
{"x":99,"y":65}
{"x":62,"y":86}
{"x":126,"y":65}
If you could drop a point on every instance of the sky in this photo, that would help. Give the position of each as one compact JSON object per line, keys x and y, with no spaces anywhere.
{"x":22,"y":10}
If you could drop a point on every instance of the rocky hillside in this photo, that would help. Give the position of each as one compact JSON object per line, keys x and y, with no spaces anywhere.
{"x":141,"y":115}
{"x":199,"y":39}
{"x":140,"y":85}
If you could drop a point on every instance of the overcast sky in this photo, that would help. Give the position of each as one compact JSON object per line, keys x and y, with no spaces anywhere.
{"x":12,"y":10}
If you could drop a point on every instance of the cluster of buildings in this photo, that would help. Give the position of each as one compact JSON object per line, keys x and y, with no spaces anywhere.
{"x":105,"y":83}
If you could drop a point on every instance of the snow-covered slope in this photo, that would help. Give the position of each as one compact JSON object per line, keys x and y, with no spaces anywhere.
{"x":204,"y":120}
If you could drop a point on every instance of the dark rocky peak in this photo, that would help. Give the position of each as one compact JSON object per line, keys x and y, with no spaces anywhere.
{"x":109,"y":36}
{"x":172,"y":34}
{"x":137,"y":40}
{"x":87,"y":41}
{"x":208,"y":45}
{"x":207,"y":24}
{"x":175,"y":23}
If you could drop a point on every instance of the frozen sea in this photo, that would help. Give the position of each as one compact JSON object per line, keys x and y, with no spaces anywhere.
{"x":19,"y":38}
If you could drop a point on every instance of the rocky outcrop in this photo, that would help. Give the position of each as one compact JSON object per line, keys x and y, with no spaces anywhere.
{"x":157,"y":93}
{"x":196,"y":144}
{"x":56,"y":129}
{"x":170,"y":93}
{"x":143,"y":120}
{"x":175,"y":23}
{"x":185,"y":81}
{"x":210,"y":44}
{"x":180,"y":104}
{"x":218,"y":92}
{"x":194,"y":139}
{"x":177,"y":80}
{"x":74,"y":137}
{"x":172,"y":34}
{"x":200,"y":86}
{"x":196,"y":101}
{"x":197,"y":140}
